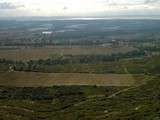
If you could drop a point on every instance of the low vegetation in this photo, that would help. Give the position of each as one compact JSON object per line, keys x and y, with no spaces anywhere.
{"x":80,"y":70}
{"x":86,"y":64}
{"x":81,"y":102}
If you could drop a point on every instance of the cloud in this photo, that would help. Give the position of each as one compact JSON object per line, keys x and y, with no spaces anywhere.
{"x":77,"y":7}
{"x":8,"y":6}
{"x":140,"y":5}
{"x":65,"y":8}
{"x":151,"y":1}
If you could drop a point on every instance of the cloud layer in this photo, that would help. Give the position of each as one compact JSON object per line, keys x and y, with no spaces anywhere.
{"x":6,"y":5}
{"x":77,"y":7}
{"x":151,"y":1}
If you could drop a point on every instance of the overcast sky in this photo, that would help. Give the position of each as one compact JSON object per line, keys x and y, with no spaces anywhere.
{"x":9,"y":8}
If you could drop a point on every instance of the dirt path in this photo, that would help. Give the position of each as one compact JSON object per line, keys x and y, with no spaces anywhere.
{"x":91,"y":98}
{"x":17,"y":108}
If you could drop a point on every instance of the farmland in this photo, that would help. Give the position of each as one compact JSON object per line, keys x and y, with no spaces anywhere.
{"x":80,"y":70}
{"x":31,"y":79}
{"x":27,"y":54}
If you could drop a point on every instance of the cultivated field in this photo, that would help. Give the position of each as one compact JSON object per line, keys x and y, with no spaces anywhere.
{"x":31,"y":79}
{"x":46,"y":52}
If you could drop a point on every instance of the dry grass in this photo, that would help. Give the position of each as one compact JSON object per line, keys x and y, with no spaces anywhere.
{"x":44,"y":53}
{"x":31,"y":79}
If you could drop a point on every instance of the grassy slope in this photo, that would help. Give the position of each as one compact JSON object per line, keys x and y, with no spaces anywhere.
{"x":140,"y":103}
{"x":44,"y":103}
{"x":136,"y":103}
{"x":85,"y":103}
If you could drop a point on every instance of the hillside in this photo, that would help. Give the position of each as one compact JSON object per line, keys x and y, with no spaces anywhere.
{"x":140,"y":103}
{"x":22,"y":98}
{"x":82,"y":103}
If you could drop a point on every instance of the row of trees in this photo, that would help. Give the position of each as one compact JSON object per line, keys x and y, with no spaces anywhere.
{"x":51,"y":63}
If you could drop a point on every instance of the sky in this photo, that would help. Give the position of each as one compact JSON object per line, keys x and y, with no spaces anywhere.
{"x":15,"y":8}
